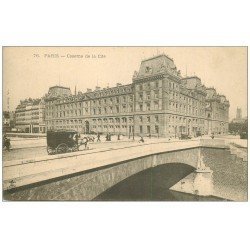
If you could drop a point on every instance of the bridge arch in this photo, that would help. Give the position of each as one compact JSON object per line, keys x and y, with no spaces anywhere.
{"x":152,"y":184}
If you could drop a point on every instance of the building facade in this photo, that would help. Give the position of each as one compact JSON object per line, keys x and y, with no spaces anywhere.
{"x":217,"y":112}
{"x":159,"y":102}
{"x":30,"y":116}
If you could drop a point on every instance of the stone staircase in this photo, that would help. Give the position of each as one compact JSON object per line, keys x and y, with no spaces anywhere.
{"x":238,"y":151}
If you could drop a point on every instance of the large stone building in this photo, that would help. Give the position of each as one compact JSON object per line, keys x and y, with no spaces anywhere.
{"x":30,"y":116}
{"x":158,"y":102}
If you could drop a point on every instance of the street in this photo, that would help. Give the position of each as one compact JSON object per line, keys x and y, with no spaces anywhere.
{"x":32,"y":148}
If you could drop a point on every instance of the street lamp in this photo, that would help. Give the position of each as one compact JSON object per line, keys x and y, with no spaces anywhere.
{"x":133,"y":133}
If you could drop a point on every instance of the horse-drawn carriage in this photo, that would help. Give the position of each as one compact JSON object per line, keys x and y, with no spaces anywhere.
{"x":185,"y":137}
{"x":62,"y":141}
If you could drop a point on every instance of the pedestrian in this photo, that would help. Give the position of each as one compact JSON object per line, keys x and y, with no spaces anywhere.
{"x":141,"y":139}
{"x":118,"y":137}
{"x":107,"y":137}
{"x":7,"y":143}
{"x":85,"y":142}
{"x":149,"y":136}
{"x":98,"y":137}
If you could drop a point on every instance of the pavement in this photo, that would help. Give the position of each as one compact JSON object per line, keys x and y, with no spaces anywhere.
{"x":27,"y":149}
{"x":19,"y":143}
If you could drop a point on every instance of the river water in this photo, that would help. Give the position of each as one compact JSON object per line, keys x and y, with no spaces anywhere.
{"x":153,"y":185}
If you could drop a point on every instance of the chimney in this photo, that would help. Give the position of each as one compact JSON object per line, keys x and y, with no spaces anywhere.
{"x":89,"y":90}
{"x":118,"y":84}
{"x":97,"y":88}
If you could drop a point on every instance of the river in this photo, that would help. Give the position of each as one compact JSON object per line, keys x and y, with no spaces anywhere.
{"x":153,"y":185}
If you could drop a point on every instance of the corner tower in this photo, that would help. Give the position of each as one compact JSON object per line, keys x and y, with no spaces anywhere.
{"x":151,"y":83}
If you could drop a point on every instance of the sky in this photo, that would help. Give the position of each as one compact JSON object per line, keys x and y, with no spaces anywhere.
{"x":30,"y":71}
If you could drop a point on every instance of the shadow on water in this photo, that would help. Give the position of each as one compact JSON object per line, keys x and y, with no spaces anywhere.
{"x":153,"y":185}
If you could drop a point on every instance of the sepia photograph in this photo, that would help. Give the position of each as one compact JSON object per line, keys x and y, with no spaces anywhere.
{"x":125,"y":124}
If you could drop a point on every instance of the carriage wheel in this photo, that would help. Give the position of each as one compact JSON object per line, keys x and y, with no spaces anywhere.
{"x":50,"y":150}
{"x":75,"y":148}
{"x":61,"y":148}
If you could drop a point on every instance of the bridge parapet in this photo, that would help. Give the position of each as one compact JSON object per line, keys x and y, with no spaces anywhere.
{"x":214,"y":143}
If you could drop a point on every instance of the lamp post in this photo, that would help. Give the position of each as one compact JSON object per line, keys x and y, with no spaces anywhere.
{"x":133,"y":133}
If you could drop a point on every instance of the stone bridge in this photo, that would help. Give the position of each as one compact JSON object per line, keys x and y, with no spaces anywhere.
{"x":85,"y":175}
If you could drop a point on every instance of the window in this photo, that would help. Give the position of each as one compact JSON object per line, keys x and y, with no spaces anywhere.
{"x":131,"y":108}
{"x":157,"y":129}
{"x":141,"y":130}
{"x":124,"y":107}
{"x":140,"y":118}
{"x":148,"y":118}
{"x":148,"y":129}
{"x":148,"y":106}
{"x":141,"y":97}
{"x":141,"y":107}
{"x":148,"y":95}
{"x":156,"y":84}
{"x":156,"y":104}
{"x":156,"y":118}
{"x":156,"y":94}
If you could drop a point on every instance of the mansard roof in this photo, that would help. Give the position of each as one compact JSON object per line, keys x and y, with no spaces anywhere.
{"x":156,"y":65}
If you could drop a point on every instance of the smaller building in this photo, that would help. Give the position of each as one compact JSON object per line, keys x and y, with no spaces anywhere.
{"x":30,"y":116}
{"x":8,"y":121}
{"x":239,"y":118}
{"x":239,"y":124}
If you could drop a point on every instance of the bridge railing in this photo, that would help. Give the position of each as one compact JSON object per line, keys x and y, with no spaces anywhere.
{"x":214,"y":143}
